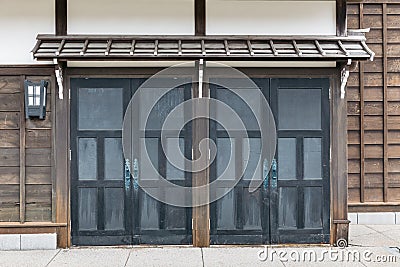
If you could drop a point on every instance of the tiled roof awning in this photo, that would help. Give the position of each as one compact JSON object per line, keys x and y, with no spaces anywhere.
{"x":125,"y":47}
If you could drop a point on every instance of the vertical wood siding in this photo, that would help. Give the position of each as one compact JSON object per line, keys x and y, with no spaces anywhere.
{"x":374,"y":106}
{"x":25,"y":156}
{"x":10,"y":102}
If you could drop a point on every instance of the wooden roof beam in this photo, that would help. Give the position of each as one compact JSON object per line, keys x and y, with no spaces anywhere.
{"x":228,"y":52}
{"x":132,"y":48}
{"x":156,"y":47}
{"x":179,"y":47}
{"x":298,"y":52}
{"x":109,"y":43}
{"x":85,"y":46}
{"x":320,"y":50}
{"x":60,"y":47}
{"x":344,"y":50}
{"x":271,"y":43}
{"x":250,"y":48}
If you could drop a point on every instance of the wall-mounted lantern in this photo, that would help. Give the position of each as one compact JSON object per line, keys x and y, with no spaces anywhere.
{"x":35,"y":99}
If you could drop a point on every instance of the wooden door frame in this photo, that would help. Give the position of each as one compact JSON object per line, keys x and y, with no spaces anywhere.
{"x":338,"y":143}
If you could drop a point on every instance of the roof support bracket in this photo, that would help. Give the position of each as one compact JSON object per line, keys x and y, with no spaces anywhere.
{"x":60,"y":79}
{"x":201,"y":74}
{"x":345,"y":73}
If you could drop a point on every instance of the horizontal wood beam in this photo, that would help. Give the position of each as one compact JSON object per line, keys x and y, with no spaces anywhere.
{"x":375,"y":207}
{"x":27,"y":70}
{"x":30,"y":224}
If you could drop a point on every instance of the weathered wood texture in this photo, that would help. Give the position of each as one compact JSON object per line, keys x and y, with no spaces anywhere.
{"x":200,"y":214}
{"x":25,"y":156}
{"x":373,"y":107}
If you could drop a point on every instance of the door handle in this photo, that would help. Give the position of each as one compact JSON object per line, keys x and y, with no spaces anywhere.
{"x":127,"y":175}
{"x":274,"y":174}
{"x":135,"y":174}
{"x":265,"y":174}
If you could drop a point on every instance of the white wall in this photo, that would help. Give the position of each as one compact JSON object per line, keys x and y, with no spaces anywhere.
{"x":20,"y":22}
{"x":271,"y":17}
{"x":131,"y":17}
{"x":223,"y":17}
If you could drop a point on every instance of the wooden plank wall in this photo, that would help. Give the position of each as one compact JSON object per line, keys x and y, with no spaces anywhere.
{"x":373,"y":97}
{"x":26,"y":183}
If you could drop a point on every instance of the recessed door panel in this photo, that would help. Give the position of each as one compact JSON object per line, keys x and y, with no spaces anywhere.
{"x":240,"y":217}
{"x":300,"y":201}
{"x":100,"y":204}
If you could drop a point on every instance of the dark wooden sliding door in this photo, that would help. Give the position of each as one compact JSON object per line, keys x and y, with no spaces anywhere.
{"x":292,"y":206}
{"x":108,"y":207}
{"x":300,"y":201}
{"x":101,"y":208}
{"x":158,"y":222}
{"x":242,"y":215}
{"x":289,"y":205}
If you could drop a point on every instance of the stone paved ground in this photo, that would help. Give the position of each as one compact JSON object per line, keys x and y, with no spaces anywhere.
{"x":369,"y":245}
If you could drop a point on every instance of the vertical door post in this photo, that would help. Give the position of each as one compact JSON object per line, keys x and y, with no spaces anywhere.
{"x":339,"y":166}
{"x":201,"y":214}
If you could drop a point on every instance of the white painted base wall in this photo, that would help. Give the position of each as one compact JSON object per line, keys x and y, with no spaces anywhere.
{"x":374,"y":218}
{"x":28,"y":242}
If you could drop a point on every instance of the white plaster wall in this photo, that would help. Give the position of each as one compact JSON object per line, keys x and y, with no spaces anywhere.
{"x":20,"y":22}
{"x":250,"y":17}
{"x":131,"y":17}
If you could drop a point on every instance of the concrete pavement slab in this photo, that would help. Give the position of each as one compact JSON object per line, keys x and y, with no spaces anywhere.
{"x":317,"y":256}
{"x":359,"y":229}
{"x":31,"y":258}
{"x":372,"y":240}
{"x":91,"y":257}
{"x":166,"y":256}
{"x":384,"y":228}
{"x":237,"y":256}
{"x":381,"y":256}
{"x":394,"y":235}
